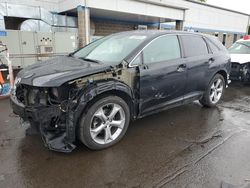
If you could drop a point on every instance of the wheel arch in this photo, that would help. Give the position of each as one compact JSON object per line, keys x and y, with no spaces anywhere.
{"x":223,"y":73}
{"x":114,"y":92}
{"x":99,"y":90}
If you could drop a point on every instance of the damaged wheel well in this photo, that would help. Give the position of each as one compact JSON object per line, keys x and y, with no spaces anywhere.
{"x":118,"y":93}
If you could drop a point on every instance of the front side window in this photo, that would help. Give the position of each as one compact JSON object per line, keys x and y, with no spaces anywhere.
{"x":111,"y":49}
{"x":242,"y":47}
{"x":162,"y":49}
{"x":194,"y":45}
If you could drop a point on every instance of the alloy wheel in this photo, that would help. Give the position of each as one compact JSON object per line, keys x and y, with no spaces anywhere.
{"x":216,"y":91}
{"x":107,"y":123}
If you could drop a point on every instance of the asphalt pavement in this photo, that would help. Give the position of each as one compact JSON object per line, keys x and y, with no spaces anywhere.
{"x":188,"y":146}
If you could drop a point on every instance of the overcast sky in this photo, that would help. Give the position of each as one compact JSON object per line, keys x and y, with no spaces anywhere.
{"x":238,"y":5}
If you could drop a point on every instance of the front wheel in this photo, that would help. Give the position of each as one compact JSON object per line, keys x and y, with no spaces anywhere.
{"x":214,"y":91}
{"x":105,"y":123}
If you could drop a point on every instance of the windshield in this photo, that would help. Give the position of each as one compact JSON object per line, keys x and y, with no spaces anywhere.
{"x":242,"y":47}
{"x":112,"y":49}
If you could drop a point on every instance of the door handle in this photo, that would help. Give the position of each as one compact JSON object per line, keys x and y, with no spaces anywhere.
{"x":211,"y":60}
{"x":181,"y":68}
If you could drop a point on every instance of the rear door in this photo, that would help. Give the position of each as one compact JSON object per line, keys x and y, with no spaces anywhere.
{"x":197,"y":58}
{"x":162,"y":74}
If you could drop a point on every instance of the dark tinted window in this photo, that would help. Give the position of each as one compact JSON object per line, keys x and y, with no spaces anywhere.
{"x":162,"y":49}
{"x":212,"y":46}
{"x":194,"y":45}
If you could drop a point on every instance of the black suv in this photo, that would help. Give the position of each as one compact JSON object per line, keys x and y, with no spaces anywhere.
{"x":93,"y":93}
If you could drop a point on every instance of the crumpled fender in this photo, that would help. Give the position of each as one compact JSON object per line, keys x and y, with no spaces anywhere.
{"x":95,"y":89}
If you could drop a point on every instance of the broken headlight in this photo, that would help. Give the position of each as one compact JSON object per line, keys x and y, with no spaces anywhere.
{"x":58,"y":94}
{"x":54,"y":92}
{"x":16,"y":82}
{"x":37,"y":96}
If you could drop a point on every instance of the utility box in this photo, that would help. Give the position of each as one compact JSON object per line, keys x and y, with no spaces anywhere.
{"x":27,"y":47}
{"x":65,"y":42}
{"x":44,"y":45}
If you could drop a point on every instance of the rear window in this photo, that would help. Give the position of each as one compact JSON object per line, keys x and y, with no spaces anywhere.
{"x":194,"y":45}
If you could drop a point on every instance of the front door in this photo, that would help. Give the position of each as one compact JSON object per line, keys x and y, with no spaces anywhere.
{"x":163,"y":74}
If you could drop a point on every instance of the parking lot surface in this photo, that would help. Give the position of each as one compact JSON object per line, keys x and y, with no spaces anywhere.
{"x":188,"y":146}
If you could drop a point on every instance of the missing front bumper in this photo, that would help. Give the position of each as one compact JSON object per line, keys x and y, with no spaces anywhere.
{"x":58,"y":138}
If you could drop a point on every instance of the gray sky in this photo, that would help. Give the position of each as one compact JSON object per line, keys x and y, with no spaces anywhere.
{"x":238,"y":5}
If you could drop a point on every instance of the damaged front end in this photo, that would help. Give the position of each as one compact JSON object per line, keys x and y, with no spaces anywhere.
{"x":240,"y":72}
{"x":55,"y":111}
{"x":48,"y":110}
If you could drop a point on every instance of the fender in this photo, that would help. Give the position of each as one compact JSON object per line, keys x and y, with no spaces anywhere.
{"x":94,"y":89}
{"x":214,"y":70}
{"x":221,"y":69}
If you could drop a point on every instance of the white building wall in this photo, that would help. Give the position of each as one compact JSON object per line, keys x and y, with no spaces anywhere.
{"x":210,"y":18}
{"x":65,"y":5}
{"x":126,"y":6}
{"x":50,"y":5}
{"x":215,"y":19}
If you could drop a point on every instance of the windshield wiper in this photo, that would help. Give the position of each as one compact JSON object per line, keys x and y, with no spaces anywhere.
{"x":91,"y":60}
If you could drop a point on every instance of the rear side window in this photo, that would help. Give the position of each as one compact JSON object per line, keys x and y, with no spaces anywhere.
{"x":212,"y":46}
{"x":194,"y":45}
{"x":162,"y":49}
{"x":219,"y":44}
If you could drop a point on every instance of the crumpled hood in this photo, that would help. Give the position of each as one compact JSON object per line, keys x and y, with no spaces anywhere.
{"x":57,"y":71}
{"x":240,"y":58}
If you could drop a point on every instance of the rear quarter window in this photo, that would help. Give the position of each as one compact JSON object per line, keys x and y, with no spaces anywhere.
{"x":218,"y":43}
{"x":213,"y":47}
{"x":194,"y":45}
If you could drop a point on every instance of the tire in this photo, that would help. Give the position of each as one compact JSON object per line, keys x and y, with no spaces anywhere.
{"x":99,"y":128}
{"x":209,"y":98}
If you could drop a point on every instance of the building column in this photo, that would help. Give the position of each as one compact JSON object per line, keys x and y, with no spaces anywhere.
{"x":83,"y":25}
{"x":179,"y":25}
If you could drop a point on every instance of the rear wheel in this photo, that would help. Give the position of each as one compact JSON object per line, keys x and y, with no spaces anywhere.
{"x":105,"y":123}
{"x":214,"y":91}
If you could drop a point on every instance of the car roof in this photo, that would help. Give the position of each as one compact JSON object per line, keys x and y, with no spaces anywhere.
{"x":156,"y":33}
